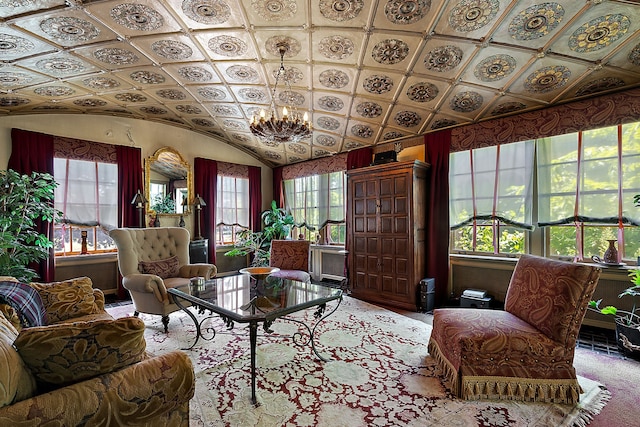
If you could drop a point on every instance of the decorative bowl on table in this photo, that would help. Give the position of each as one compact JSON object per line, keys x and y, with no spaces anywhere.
{"x":259,"y":273}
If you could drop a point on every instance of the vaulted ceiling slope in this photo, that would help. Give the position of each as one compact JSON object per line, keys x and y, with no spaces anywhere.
{"x":368,"y":72}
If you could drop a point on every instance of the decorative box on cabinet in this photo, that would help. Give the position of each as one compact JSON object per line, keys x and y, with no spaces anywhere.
{"x":199,"y":251}
{"x":386,"y":240}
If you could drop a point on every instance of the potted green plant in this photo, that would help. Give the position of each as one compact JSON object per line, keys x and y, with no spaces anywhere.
{"x":24,"y":199}
{"x":277,"y":225}
{"x":627,"y":322}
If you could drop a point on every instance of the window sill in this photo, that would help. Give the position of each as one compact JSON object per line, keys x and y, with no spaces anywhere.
{"x":86,"y":259}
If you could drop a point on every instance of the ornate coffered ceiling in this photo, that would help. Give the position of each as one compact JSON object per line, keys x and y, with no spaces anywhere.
{"x":368,"y":72}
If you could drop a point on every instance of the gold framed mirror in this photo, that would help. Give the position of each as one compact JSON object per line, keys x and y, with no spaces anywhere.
{"x":168,"y":183}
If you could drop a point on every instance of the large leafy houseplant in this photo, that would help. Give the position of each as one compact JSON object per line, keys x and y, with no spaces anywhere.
{"x":624,"y":317}
{"x":24,"y":199}
{"x":277,"y":225}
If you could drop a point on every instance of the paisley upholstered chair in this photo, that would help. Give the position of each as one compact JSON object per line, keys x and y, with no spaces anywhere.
{"x":292,"y":258}
{"x":152,"y":260}
{"x":526,"y":351}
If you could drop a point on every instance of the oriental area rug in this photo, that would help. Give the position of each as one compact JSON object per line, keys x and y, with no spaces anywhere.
{"x":379,"y":374}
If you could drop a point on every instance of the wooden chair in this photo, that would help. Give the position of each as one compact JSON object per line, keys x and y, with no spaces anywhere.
{"x":526,"y":351}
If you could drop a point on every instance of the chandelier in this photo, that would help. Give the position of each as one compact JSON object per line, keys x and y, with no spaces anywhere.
{"x":289,"y":127}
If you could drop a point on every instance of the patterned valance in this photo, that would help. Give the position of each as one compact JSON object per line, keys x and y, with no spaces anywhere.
{"x":232,"y":169}
{"x":593,"y":113}
{"x":79,"y":149}
{"x":315,"y":167}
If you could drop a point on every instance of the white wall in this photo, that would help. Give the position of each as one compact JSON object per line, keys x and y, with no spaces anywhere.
{"x":149,"y":136}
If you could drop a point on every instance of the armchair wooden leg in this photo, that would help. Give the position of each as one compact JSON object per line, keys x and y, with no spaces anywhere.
{"x":165,"y":322}
{"x":136,"y":314}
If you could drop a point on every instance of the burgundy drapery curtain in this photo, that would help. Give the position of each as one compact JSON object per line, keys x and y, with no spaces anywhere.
{"x":437,"y":155}
{"x":205,"y":184}
{"x":255,"y":198}
{"x":33,"y":152}
{"x":278,"y":187}
{"x":129,"y":183}
{"x":355,"y":159}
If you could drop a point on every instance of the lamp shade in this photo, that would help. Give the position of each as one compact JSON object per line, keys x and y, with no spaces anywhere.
{"x":138,"y":199}
{"x":198,"y":202}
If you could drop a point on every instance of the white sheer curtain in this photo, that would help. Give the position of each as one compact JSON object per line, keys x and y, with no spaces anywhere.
{"x":233,"y":201}
{"x":589,"y":176}
{"x":87,"y":192}
{"x":492,"y":183}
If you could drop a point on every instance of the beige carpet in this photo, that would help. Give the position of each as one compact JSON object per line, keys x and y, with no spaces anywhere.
{"x":379,"y":375}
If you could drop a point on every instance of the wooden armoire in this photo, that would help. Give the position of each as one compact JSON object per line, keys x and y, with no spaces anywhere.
{"x":386,"y":214}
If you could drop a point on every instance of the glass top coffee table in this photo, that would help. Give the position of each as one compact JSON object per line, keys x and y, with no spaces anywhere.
{"x":243,"y":299}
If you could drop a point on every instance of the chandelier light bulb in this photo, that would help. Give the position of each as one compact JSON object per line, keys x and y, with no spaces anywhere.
{"x":285,"y":113}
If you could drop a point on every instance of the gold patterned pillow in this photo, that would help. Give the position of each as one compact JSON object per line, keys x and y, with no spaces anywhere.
{"x":16,"y":382}
{"x":67,"y":299}
{"x":70,"y":352}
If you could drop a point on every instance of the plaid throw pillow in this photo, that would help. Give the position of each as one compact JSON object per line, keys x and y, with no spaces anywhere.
{"x":25,"y":301}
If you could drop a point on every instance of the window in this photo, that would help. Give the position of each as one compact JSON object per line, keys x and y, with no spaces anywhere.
{"x":317,"y":204}
{"x":490,"y":198}
{"x":232,"y":208}
{"x":87,"y":196}
{"x":581,"y":198}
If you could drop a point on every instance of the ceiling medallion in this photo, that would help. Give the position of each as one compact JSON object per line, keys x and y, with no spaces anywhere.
{"x":234,"y":124}
{"x":11,"y":45}
{"x":155,"y":111}
{"x":536,"y":21}
{"x":407,"y":119}
{"x":100,"y":83}
{"x":130,"y":97}
{"x":69,"y":29}
{"x":88,"y":102}
{"x":14,"y":79}
{"x":172,"y":94}
{"x":137,"y":17}
{"x":495,"y":67}
{"x":13,"y":101}
{"x":508,"y":107}
{"x":195,"y":74}
{"x":291,"y":97}
{"x":147,"y":77}
{"x":272,"y":155}
{"x":600,"y":85}
{"x":422,"y":92}
{"x":378,"y":84}
{"x":362,"y":131}
{"x":341,"y":10}
{"x":275,"y":10}
{"x":172,"y":49}
{"x":467,"y":101}
{"x":392,"y":135}
{"x":443,"y":58}
{"x":228,"y":46}
{"x":326,"y":141}
{"x":334,"y":79}
{"x":547,"y":79}
{"x":470,"y":15}
{"x":297,"y":148}
{"x":252,"y":95}
{"x":350,"y":145}
{"x":60,"y":67}
{"x":287,"y":127}
{"x":634,"y":55}
{"x":207,"y":11}
{"x":116,"y":56}
{"x":369,"y":109}
{"x":224,"y":110}
{"x":240,"y":137}
{"x":406,"y":12}
{"x":328,"y":123}
{"x":321,"y":153}
{"x":390,"y":51}
{"x":331,"y":103}
{"x":443,"y":123}
{"x":205,"y":123}
{"x":242,"y":73}
{"x":599,"y":33}
{"x":336,"y":47}
{"x":272,"y":45}
{"x":292,"y":74}
{"x":212,"y":94}
{"x":54,"y":91}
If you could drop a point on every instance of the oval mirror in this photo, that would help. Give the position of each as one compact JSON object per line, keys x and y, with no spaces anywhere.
{"x":168,"y":183}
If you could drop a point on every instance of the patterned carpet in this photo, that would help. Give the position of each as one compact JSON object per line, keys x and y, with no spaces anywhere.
{"x":379,"y":374}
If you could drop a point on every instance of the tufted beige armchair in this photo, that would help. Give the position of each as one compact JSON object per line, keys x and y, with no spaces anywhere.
{"x":152,"y":260}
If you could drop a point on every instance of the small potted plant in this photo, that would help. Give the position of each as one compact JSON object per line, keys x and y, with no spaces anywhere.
{"x":627,"y":322}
